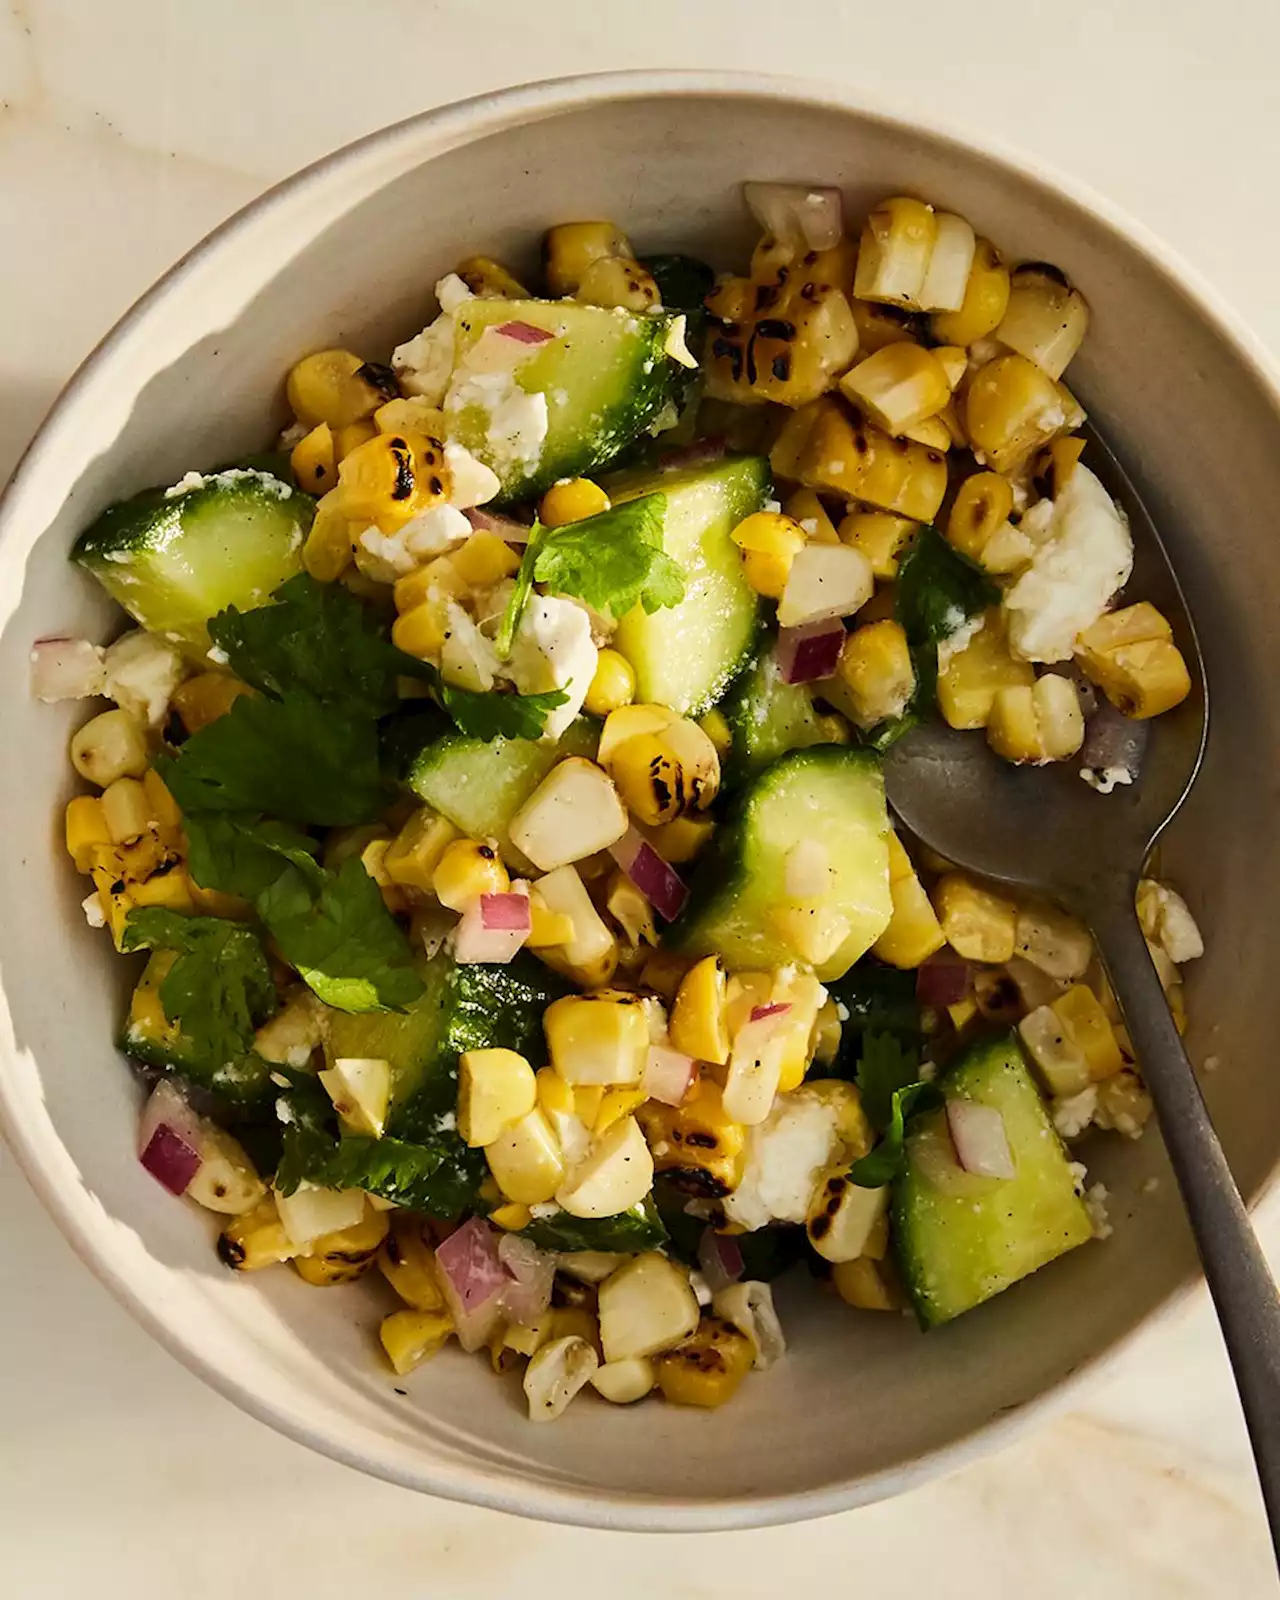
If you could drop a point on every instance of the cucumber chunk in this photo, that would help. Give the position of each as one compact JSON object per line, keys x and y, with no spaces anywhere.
{"x":767,"y":717}
{"x":174,"y":557}
{"x":686,"y":656}
{"x":832,"y":794}
{"x":605,"y":376}
{"x":962,"y":1239}
{"x":153,"y":1041}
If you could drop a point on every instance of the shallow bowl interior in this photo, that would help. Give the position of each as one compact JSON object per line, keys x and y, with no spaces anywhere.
{"x":346,"y":254}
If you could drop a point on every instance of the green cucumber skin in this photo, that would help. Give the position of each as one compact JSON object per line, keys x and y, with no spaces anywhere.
{"x":686,"y":656}
{"x":594,"y":412}
{"x":242,"y":1084}
{"x":173,"y":561}
{"x":719,"y":917}
{"x":957,"y":1251}
{"x":767,"y":718}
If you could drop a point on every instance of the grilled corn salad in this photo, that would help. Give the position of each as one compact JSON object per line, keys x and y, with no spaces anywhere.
{"x":493,"y":783}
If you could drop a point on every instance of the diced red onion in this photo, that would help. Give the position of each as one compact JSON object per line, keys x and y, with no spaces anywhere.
{"x":492,"y":522}
{"x":811,"y":651}
{"x":472,"y":1278}
{"x":720,"y":1259}
{"x":711,"y":448}
{"x":978,"y":1133}
{"x":506,"y":911}
{"x":668,"y":1075}
{"x":1114,"y":742}
{"x":759,"y":1013}
{"x":477,"y":942}
{"x":170,"y":1138}
{"x":524,"y":333}
{"x":532,"y":1273}
{"x":797,"y":212}
{"x":655,"y":878}
{"x":66,"y":669}
{"x":943,"y":980}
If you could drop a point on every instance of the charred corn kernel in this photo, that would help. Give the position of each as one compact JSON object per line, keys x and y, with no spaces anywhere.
{"x":664,"y":775}
{"x":407,"y":1261}
{"x":805,"y":508}
{"x":968,"y":684}
{"x":511,"y":1217}
{"x":86,"y":829}
{"x":708,"y":1368}
{"x":696,"y":1144}
{"x":618,"y":281}
{"x":630,"y":910}
{"x":612,"y":686}
{"x":569,"y":249}
{"x":878,"y":326}
{"x":914,"y":932}
{"x":986,"y":299}
{"x":880,"y":536}
{"x":1040,"y":723}
{"x":898,"y":387}
{"x":874,"y":679}
{"x":410,"y":1337}
{"x":1123,"y":1104}
{"x":628,"y":721}
{"x":866,"y":1285}
{"x":490,"y":280}
{"x":392,"y":478}
{"x":126,"y":809}
{"x":663,"y":971}
{"x":467,"y":869}
{"x":981,"y":507}
{"x":597,"y":1039}
{"x":201,"y":700}
{"x":769,"y":542}
{"x":346,"y":1255}
{"x":1131,"y":656}
{"x":509,"y":1343}
{"x":571,"y":500}
{"x":256,"y":1239}
{"x":893,"y":254}
{"x":1010,"y":410}
{"x":485,"y":560}
{"x":525,"y":1160}
{"x":415,"y":414}
{"x":1046,"y":320}
{"x":336,"y":387}
{"x":314,"y":460}
{"x":412,"y":857}
{"x":1080,"y":1014}
{"x":329,"y":546}
{"x":980,"y":925}
{"x":170,"y":891}
{"x":615,"y":1104}
{"x":842,"y":1216}
{"x":698,"y":1017}
{"x":496,"y":1088}
{"x":111,"y":745}
{"x":555,"y":1374}
{"x":547,"y":928}
{"x":422,"y":631}
{"x":836,"y":452}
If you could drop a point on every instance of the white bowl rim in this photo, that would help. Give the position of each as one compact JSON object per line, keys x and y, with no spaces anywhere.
{"x":73,"y":1209}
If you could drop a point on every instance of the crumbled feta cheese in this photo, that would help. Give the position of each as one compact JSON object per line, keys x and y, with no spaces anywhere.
{"x":448,"y":1122}
{"x":141,"y":674}
{"x":424,"y":364}
{"x":451,"y":292}
{"x":1073,"y":1113}
{"x":1105,"y":779}
{"x":1086,"y":555}
{"x":227,"y":477}
{"x":544,"y":1209}
{"x":293,"y":435}
{"x":1079,"y":1172}
{"x":389,"y":557}
{"x":94,"y":915}
{"x":1095,"y":1203}
{"x":467,"y":659}
{"x":553,"y":649}
{"x":959,"y":638}
{"x":184,"y":485}
{"x":434,"y":533}
{"x":515,"y":421}
{"x":773,"y":505}
{"x":786,"y":1154}
{"x":471,"y":482}
{"x":1167,"y":921}
{"x":674,"y":344}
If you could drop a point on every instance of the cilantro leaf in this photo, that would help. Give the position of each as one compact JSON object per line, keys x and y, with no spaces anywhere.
{"x":640,"y":1228}
{"x":613,"y":561}
{"x":317,"y":637}
{"x":938,"y":590}
{"x":243,"y":855}
{"x":219,"y":987}
{"x":520,"y":594}
{"x":884,"y":1163}
{"x":293,"y":758}
{"x":885,"y":1066}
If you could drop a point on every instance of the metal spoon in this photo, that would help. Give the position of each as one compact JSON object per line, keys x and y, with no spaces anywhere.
{"x":1042,"y":828}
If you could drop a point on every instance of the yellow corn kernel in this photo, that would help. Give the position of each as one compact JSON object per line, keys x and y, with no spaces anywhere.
{"x":696,"y":1142}
{"x":664,"y":775}
{"x":415,"y":414}
{"x":880,"y":536}
{"x":597,"y":1039}
{"x":708,"y":1368}
{"x":392,"y":478}
{"x":716,"y":727}
{"x":986,"y":299}
{"x":866,"y":1285}
{"x":548,"y":928}
{"x":613,"y":685}
{"x":557,"y":1097}
{"x":314,"y":461}
{"x":109,"y":746}
{"x":333,"y":386}
{"x":680,"y":841}
{"x":496,"y":1088}
{"x":981,"y":507}
{"x":410,"y":1337}
{"x":805,"y":508}
{"x":485,"y":560}
{"x":663,"y":971}
{"x":467,"y":869}
{"x":1010,"y":410}
{"x":490,"y":280}
{"x":744,"y":992}
{"x":804,"y":994}
{"x":614,"y":1105}
{"x":698,"y":1025}
{"x":769,"y":542}
{"x":893,"y":252}
{"x":898,"y":387}
{"x":1086,"y":1023}
{"x":914,"y":932}
{"x":571,"y":500}
{"x":164,"y":808}
{"x":618,"y":281}
{"x":346,"y":1255}
{"x":980,"y":925}
{"x":879,"y":325}
{"x":525,"y":1160}
{"x":511,"y":1217}
{"x":954,"y":362}
{"x":214,"y":903}
{"x":874,"y":678}
{"x":587,"y":1100}
{"x":407,"y":1261}
{"x":411,"y":858}
{"x":932,"y":432}
{"x":422,"y":631}
{"x":630,"y":910}
{"x":127,"y":812}
{"x":846,"y":455}
{"x":1039,"y":723}
{"x":86,"y":829}
{"x":962,"y":1014}
{"x":171,"y":891}
{"x":1131,"y":656}
{"x":255,"y":1239}
{"x":328,"y":550}
{"x":827,"y":1032}
{"x":971,"y":679}
{"x":569,"y":249}
{"x":575,"y":1322}
{"x":201,"y":700}
{"x":628,"y":721}
{"x":114,"y":899}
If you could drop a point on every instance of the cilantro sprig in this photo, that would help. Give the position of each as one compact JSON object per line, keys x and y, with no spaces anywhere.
{"x":888,"y":1079}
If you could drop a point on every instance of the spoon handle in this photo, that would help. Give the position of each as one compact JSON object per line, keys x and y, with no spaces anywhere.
{"x":1234,"y":1266}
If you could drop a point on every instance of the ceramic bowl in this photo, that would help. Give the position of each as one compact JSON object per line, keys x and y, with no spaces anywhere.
{"x":346,"y":254}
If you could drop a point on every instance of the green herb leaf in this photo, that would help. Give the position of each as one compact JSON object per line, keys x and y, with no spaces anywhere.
{"x":218,"y":989}
{"x":629,"y":1232}
{"x":520,"y":594}
{"x":684,"y":282}
{"x":498,"y":716}
{"x":613,"y":561}
{"x":884,"y":1163}
{"x":244,"y":855}
{"x":939,"y":590}
{"x":885,"y":1066}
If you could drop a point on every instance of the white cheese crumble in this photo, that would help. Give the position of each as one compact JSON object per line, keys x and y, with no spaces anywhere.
{"x":225,"y":479}
{"x":448,"y":1122}
{"x":434,"y":532}
{"x":467,"y":659}
{"x":218,"y":656}
{"x":1105,"y":779}
{"x":515,"y":422}
{"x":471,"y":482}
{"x":1095,"y":1203}
{"x":786,"y":1154}
{"x":141,"y":674}
{"x":94,"y":915}
{"x":1084,"y":553}
{"x":553,"y":649}
{"x":389,"y":557}
{"x":1073,"y":1113}
{"x":961,"y":636}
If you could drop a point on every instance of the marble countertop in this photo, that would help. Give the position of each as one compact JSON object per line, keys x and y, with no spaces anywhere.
{"x":126,"y":132}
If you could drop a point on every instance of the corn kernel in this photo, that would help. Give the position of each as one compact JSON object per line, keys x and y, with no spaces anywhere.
{"x":831,"y":450}
{"x":972,"y":677}
{"x":866,"y":1285}
{"x":769,"y":542}
{"x":587,"y":1100}
{"x":390,"y":479}
{"x":201,"y":700}
{"x":880,"y":536}
{"x":667,"y":774}
{"x":1131,"y":656}
{"x":411,"y":858}
{"x":631,"y":911}
{"x":898,"y":387}
{"x":490,"y":280}
{"x":615,"y":1104}
{"x":874,"y":679}
{"x":571,"y":247}
{"x":496,"y":1088}
{"x":663,"y":971}
{"x":708,"y":1368}
{"x":314,"y":462}
{"x":680,"y":841}
{"x":698,"y":1017}
{"x":893,"y":252}
{"x":1039,"y":723}
{"x":1010,"y":410}
{"x":572,"y":500}
{"x":326,"y":387}
{"x":485,"y":560}
{"x":126,"y":809}
{"x":1085,"y":1021}
{"x":109,"y":746}
{"x":646,"y":1307}
{"x":164,"y":808}
{"x":981,"y":507}
{"x":345,"y":1255}
{"x":980,"y":925}
{"x":547,"y":928}
{"x":525,"y":1160}
{"x":170,"y":891}
{"x":467,"y":869}
{"x":410,"y":1337}
{"x":422,"y":631}
{"x":415,"y":415}
{"x":696,"y":1142}
{"x":914,"y":932}
{"x":407,"y":1261}
{"x":329,"y":547}
{"x":612,"y":686}
{"x":597,"y":1039}
{"x":511,"y":1217}
{"x":986,"y":299}
{"x":805,"y":508}
{"x":86,"y":829}
{"x":256,"y":1239}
